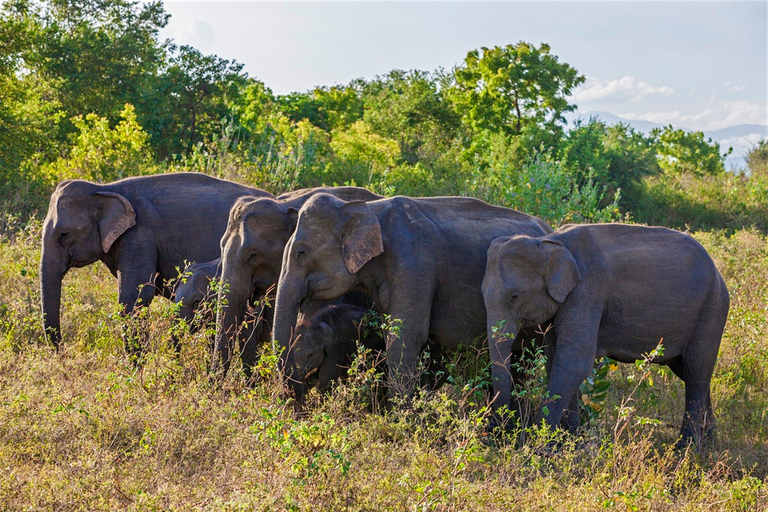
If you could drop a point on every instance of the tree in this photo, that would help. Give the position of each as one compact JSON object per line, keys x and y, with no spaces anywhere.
{"x":96,"y":54}
{"x":410,"y":107}
{"x":617,"y":156}
{"x":757,"y":159}
{"x":328,"y":108}
{"x":519,"y":90}
{"x":190,"y":99}
{"x":682,"y":152}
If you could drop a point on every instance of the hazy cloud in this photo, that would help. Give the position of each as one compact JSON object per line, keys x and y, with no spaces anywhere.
{"x":197,"y":33}
{"x":729,"y":87}
{"x":727,"y":113}
{"x":618,"y":91}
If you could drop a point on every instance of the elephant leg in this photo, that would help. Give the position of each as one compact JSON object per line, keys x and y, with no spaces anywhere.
{"x":405,"y":341}
{"x":573,"y":359}
{"x":698,"y":419}
{"x":136,"y":289}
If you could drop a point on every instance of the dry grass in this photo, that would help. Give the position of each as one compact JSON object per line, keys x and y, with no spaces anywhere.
{"x":84,"y":430}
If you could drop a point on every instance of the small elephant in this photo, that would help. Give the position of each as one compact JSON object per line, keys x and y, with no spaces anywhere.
{"x":142,"y":228}
{"x":421,"y":261}
{"x":251,"y":255}
{"x":329,"y":339}
{"x":329,"y":336}
{"x":611,"y":290}
{"x":192,"y":290}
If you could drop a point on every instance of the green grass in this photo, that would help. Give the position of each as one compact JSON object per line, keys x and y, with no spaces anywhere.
{"x":84,"y":430}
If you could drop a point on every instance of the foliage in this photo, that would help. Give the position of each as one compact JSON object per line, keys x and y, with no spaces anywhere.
{"x":410,"y":107}
{"x":616,"y":156}
{"x":543,"y":188}
{"x":85,"y":429}
{"x":192,"y":94}
{"x":94,"y":54}
{"x":518,"y":90}
{"x":328,"y":108}
{"x":102,"y":153}
{"x":687,"y":201}
{"x":681,"y":152}
{"x":757,"y":160}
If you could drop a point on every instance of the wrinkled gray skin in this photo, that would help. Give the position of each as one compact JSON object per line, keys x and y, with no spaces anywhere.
{"x":192,"y":290}
{"x":141,"y":228}
{"x":610,"y":290}
{"x":421,"y":260}
{"x":251,"y":256}
{"x":329,"y":339}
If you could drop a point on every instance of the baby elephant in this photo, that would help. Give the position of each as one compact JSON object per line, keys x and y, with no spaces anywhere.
{"x":609,"y":290}
{"x":192,"y":290}
{"x":329,"y":342}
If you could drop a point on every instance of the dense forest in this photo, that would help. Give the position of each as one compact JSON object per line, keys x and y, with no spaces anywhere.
{"x":89,"y":90}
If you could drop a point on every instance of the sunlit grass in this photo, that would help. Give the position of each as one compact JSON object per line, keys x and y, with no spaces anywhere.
{"x":84,"y":429}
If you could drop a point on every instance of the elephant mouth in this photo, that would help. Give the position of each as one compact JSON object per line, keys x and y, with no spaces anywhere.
{"x":311,"y":378}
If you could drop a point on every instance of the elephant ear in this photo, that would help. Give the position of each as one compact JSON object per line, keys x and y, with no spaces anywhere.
{"x":115,"y":218}
{"x":562,"y":271}
{"x":327,"y":334}
{"x":361,"y":236}
{"x":292,"y":217}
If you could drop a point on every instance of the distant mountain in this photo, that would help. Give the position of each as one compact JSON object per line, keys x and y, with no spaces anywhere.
{"x":608,"y":118}
{"x":741,"y":137}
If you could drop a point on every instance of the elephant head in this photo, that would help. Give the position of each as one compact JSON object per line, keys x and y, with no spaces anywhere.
{"x":251,"y":252}
{"x":526,"y":280}
{"x":328,"y":341}
{"x":317,"y":352}
{"x":333,"y":240}
{"x":82,"y":224}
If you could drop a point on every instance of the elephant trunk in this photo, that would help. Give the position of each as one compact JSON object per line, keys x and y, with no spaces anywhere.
{"x":500,"y":338}
{"x":229,"y":316}
{"x":52,"y":270}
{"x":290,"y":294}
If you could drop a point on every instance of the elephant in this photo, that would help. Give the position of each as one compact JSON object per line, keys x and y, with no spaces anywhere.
{"x":329,"y":339}
{"x":192,"y":290}
{"x":421,"y":261}
{"x":251,"y":255}
{"x":142,"y":228}
{"x":611,"y":290}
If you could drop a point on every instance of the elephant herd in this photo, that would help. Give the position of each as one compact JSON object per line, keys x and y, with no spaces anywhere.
{"x":445,"y":270}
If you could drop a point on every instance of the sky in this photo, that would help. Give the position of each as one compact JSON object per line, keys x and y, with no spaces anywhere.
{"x":697,"y":65}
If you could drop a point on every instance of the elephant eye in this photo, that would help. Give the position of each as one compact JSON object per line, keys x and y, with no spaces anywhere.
{"x":300,"y":253}
{"x":64,"y":237}
{"x":513,"y":297}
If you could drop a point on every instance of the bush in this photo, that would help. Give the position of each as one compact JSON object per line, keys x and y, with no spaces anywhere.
{"x":101,"y":153}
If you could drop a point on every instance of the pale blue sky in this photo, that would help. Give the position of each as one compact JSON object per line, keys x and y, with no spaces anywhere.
{"x":699,"y":65}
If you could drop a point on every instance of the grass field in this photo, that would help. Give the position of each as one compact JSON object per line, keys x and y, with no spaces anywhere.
{"x":84,"y":430}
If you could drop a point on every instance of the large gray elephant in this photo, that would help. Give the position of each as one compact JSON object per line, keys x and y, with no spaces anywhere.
{"x":421,"y":260}
{"x":251,"y":255}
{"x":610,"y":290}
{"x":143,"y":229}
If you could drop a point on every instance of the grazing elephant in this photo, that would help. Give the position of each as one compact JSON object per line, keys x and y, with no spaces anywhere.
{"x":421,"y":261}
{"x":251,"y":255}
{"x":329,"y":339}
{"x":610,"y":290}
{"x":192,"y":290}
{"x":142,"y":228}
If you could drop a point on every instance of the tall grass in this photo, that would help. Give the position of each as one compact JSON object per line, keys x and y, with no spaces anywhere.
{"x":84,"y":429}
